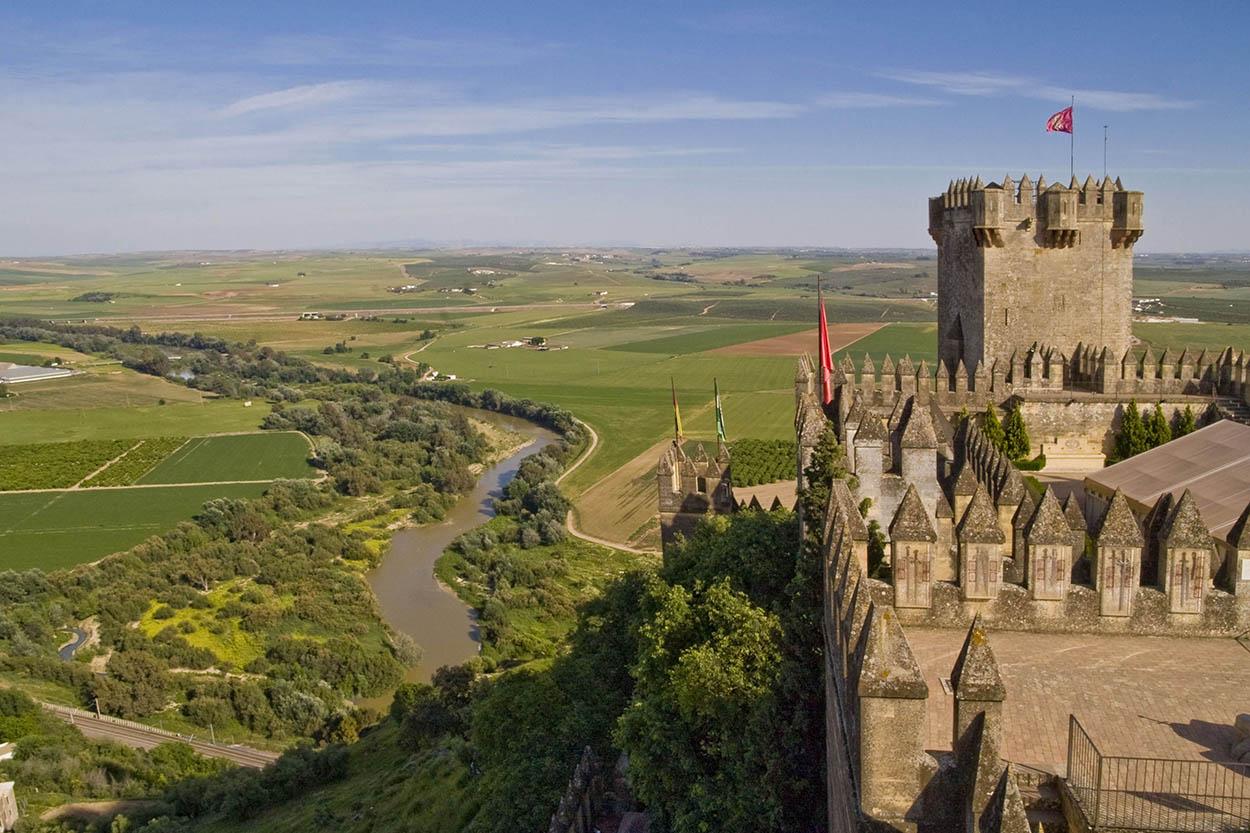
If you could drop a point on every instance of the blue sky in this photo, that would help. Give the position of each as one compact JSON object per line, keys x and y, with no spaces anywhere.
{"x":148,"y":126}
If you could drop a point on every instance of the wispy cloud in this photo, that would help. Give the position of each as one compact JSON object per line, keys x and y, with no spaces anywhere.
{"x":1000,"y":84}
{"x":304,"y":95}
{"x":854,"y":101}
{"x":393,"y":51}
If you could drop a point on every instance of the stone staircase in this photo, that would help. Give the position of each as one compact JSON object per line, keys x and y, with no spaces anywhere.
{"x":1232,"y":408}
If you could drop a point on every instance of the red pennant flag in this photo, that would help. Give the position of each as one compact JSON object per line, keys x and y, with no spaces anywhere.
{"x":1060,"y":122}
{"x":826,"y":359}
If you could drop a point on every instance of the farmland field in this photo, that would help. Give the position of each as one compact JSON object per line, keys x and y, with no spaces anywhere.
{"x":113,"y":422}
{"x":53,"y":530}
{"x":265,"y":456}
{"x":621,"y":323}
{"x":54,"y":465}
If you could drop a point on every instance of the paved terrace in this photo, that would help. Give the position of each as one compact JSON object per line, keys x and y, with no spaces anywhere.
{"x":1156,"y":697}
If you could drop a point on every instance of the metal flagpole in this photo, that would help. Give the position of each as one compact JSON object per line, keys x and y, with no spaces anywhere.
{"x":1104,"y":151}
{"x":1072,"y":139}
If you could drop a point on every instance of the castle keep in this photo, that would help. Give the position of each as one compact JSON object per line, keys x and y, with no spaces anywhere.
{"x":1022,"y":264}
{"x":938,"y":533}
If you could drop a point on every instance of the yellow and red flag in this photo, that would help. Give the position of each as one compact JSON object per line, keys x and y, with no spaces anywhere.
{"x":826,"y":358}
{"x":1060,"y":122}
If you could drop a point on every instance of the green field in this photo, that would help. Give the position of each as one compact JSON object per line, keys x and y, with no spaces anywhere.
{"x":87,"y":423}
{"x":53,"y":530}
{"x":266,"y":456}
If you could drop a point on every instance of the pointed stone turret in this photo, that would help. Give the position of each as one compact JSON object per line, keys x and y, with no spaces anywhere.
{"x":1237,"y":565}
{"x":893,"y":768}
{"x":855,"y":525}
{"x":1152,"y":529}
{"x":872,"y":429}
{"x":1185,"y":557}
{"x":918,"y":432}
{"x":978,"y":721}
{"x":911,"y":552}
{"x":1049,"y":540}
{"x":980,"y":549}
{"x":1013,"y":571}
{"x":1076,"y":523}
{"x":1117,"y":563}
{"x":1041,"y":183}
{"x":1006,"y":812}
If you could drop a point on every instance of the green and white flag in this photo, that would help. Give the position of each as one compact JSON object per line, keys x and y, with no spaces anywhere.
{"x":720,"y":415}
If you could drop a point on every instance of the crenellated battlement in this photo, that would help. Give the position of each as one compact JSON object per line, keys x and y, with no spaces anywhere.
{"x":1041,"y":371}
{"x":1057,"y":212}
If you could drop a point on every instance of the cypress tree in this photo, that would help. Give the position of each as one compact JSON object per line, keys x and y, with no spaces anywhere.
{"x":1185,"y":423}
{"x":1132,"y":438}
{"x":1158,"y":431}
{"x":992,"y":428}
{"x":1015,"y":435}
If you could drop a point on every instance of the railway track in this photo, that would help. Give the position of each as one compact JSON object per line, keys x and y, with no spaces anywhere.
{"x":139,"y":736}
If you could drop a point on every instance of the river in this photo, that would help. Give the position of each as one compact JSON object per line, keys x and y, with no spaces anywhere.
{"x":411,"y":599}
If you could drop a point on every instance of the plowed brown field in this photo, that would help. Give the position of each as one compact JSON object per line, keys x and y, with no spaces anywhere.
{"x":841,"y":336}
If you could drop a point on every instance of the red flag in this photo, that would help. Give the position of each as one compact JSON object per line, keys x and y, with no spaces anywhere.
{"x":1060,"y":122}
{"x":826,"y":359}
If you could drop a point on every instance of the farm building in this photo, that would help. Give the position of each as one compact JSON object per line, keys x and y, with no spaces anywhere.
{"x":12,"y":374}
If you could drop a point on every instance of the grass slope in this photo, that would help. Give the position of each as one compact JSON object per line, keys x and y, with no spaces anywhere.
{"x":387,"y":790}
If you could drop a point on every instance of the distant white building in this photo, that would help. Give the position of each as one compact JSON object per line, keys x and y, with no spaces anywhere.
{"x":12,"y":374}
{"x":7,"y":750}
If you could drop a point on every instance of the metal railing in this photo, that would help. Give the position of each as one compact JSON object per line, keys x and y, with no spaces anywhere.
{"x":1155,"y":794}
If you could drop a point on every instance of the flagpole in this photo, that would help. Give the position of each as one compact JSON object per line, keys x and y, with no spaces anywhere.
{"x":1104,"y":151}
{"x":1072,"y":141}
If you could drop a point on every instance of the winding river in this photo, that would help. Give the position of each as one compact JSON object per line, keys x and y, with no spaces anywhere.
{"x":411,"y":599}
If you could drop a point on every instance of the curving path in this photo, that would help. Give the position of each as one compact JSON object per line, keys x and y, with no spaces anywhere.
{"x":570,"y":522}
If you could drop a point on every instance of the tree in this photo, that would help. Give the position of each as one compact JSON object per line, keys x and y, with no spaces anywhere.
{"x":1158,"y":431}
{"x":1185,"y":422}
{"x":992,"y":428}
{"x":1015,"y":436}
{"x":1131,"y":440}
{"x":828,"y":462}
{"x":699,"y":731}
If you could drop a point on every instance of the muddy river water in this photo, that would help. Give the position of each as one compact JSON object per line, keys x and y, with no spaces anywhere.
{"x":411,"y":599}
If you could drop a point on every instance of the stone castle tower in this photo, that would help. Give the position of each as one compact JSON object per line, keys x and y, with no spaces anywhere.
{"x":692,"y":487}
{"x":1021,"y":264}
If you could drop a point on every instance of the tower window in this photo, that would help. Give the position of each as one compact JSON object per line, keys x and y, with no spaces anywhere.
{"x":701,"y":484}
{"x":1006,"y":317}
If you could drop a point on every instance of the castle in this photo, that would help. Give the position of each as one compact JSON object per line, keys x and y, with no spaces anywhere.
{"x":1034,"y":311}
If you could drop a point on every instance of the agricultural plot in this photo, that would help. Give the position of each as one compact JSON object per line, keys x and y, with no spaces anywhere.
{"x":84,"y":422}
{"x":264,"y":456}
{"x":54,"y":530}
{"x":709,"y":339}
{"x":55,"y":465}
{"x":135,"y":462}
{"x":896,"y":340}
